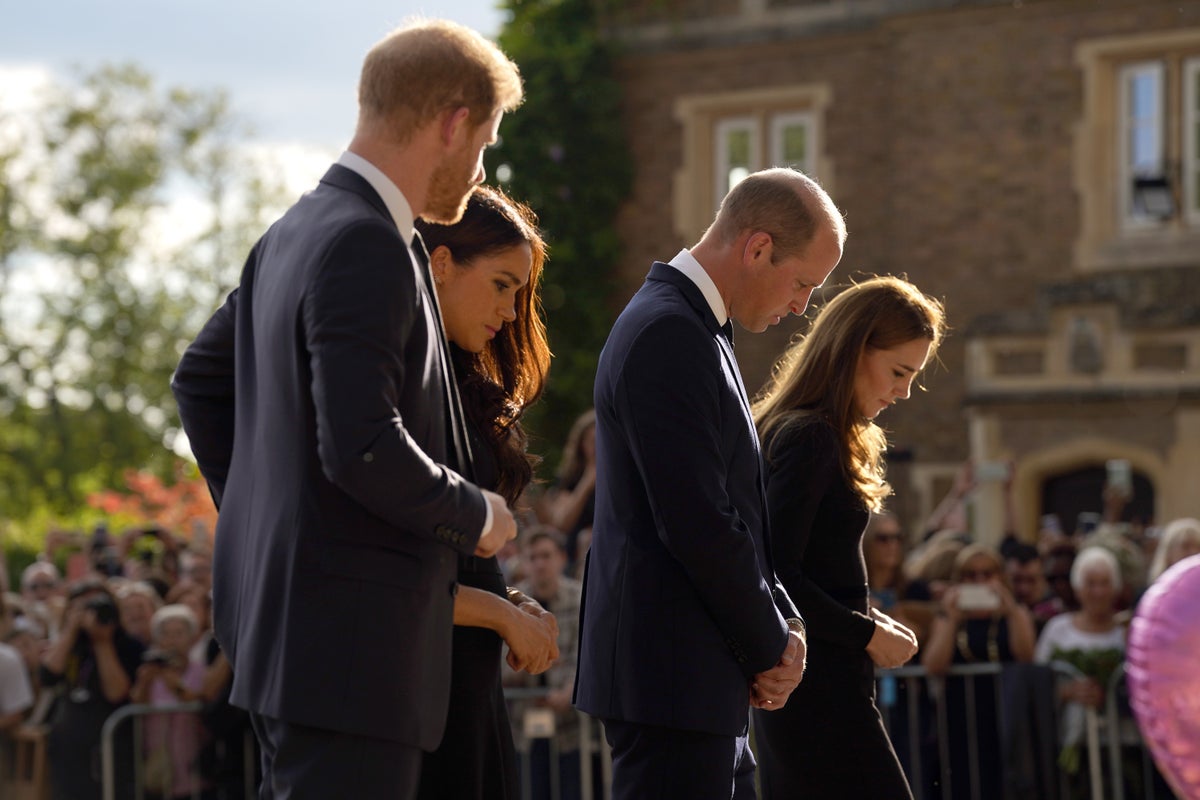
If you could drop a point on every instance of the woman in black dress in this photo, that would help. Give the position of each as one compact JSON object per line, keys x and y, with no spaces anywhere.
{"x":486,"y":269}
{"x":824,"y":456}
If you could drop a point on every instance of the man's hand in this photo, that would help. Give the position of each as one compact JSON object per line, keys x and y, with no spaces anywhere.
{"x":504,"y":527}
{"x":770,"y":690}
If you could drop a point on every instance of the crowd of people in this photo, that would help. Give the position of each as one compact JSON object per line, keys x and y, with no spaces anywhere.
{"x":132,"y":624}
{"x":75,"y":651}
{"x":1060,"y":599}
{"x":356,"y":408}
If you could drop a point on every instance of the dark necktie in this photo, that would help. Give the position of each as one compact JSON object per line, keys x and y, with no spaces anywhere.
{"x":454,"y":419}
{"x":727,"y":329}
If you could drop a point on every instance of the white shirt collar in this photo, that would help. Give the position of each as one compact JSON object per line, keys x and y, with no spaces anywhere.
{"x":391,"y":195}
{"x":686,"y":263}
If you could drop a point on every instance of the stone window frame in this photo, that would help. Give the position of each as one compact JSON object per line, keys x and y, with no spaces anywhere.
{"x":1191,"y":140}
{"x":1106,"y":239}
{"x":696,"y":182}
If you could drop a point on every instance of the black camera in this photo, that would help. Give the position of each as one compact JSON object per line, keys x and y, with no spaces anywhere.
{"x":104,"y":608}
{"x":156,"y":656}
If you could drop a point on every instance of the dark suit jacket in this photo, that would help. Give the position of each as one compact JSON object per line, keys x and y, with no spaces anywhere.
{"x":315,"y":402}
{"x":681,"y":606}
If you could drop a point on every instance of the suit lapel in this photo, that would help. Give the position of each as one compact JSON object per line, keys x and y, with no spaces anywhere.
{"x":455,"y":418}
{"x":349,"y":180}
{"x":695,"y":298}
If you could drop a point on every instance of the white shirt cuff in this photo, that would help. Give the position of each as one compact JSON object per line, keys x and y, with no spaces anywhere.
{"x":487,"y":520}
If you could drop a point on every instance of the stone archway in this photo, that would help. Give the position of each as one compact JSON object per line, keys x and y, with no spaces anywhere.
{"x":1081,"y":457}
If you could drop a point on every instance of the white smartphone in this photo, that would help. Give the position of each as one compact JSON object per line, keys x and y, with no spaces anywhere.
{"x":1120,"y":476}
{"x":977,"y":597}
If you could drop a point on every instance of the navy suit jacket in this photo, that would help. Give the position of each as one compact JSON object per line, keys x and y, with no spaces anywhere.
{"x":316,"y":403}
{"x":681,"y":606}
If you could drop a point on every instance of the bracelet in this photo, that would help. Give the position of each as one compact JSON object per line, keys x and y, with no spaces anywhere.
{"x":797,"y":623}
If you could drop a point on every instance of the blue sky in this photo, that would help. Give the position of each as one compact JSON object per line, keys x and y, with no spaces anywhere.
{"x":291,"y":68}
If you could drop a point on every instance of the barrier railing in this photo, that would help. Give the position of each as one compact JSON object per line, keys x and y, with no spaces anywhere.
{"x":136,"y":714}
{"x":592,"y":748}
{"x":924,"y":695}
{"x":1108,"y":732}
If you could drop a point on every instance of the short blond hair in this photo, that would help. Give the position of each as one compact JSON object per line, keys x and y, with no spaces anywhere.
{"x":428,"y":66}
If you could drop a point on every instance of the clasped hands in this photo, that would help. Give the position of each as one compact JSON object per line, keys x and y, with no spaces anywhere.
{"x":532,"y":638}
{"x":770,"y":689}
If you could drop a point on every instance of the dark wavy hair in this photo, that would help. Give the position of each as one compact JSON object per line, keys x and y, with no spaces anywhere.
{"x":499,"y":383}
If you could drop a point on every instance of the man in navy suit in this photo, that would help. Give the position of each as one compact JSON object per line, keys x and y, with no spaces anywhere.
{"x":321,"y":407}
{"x":684,"y":624}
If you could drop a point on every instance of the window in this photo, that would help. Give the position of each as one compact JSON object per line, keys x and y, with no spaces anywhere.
{"x":739,"y":142}
{"x":737,"y":155}
{"x":792,"y":138}
{"x":727,"y":136}
{"x":1142,"y":163}
{"x":1191,"y":140}
{"x":1138,"y":170}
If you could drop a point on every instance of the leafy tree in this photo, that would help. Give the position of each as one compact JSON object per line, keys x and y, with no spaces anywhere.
{"x":183,"y":506}
{"x":125,"y":212}
{"x":564,"y":153}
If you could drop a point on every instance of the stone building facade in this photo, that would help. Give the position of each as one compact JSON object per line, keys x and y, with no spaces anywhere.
{"x":1034,"y":163}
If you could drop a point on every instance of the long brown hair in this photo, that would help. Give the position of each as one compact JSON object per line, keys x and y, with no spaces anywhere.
{"x":571,"y":469}
{"x":815,"y":377}
{"x":508,"y":375}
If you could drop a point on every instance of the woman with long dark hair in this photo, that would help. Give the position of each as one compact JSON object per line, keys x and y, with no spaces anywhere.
{"x":486,"y":269}
{"x":571,"y":504}
{"x":825,"y":476}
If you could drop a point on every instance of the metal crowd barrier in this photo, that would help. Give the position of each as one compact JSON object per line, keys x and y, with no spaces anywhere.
{"x":1103,"y":732}
{"x":1108,"y":732}
{"x":136,"y":714}
{"x":592,"y":744}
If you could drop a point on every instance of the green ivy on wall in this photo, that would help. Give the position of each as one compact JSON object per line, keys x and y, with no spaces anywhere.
{"x":564,"y":153}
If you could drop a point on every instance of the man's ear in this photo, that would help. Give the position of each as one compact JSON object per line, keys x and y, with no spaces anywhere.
{"x":758,"y":249}
{"x":454,"y":124}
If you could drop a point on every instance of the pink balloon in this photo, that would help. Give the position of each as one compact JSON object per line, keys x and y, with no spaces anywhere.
{"x":1163,"y":669}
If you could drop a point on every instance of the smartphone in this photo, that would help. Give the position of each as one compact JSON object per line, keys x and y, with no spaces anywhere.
{"x":976,"y":597}
{"x":992,"y":471}
{"x":1120,"y":475}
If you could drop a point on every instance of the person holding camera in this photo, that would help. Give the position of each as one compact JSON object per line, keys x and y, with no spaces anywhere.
{"x":168,"y":677}
{"x":979,"y":621}
{"x":92,"y":662}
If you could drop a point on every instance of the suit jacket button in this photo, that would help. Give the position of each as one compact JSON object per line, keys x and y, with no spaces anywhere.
{"x":453,"y":588}
{"x":368,"y":457}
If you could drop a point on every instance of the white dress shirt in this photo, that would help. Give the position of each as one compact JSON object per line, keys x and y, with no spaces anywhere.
{"x":686,"y":263}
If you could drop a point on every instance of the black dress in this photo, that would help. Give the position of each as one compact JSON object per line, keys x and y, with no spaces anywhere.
{"x":828,"y":741}
{"x":477,"y":758}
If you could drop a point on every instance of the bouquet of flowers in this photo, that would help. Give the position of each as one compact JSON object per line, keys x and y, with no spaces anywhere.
{"x":1098,"y":665}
